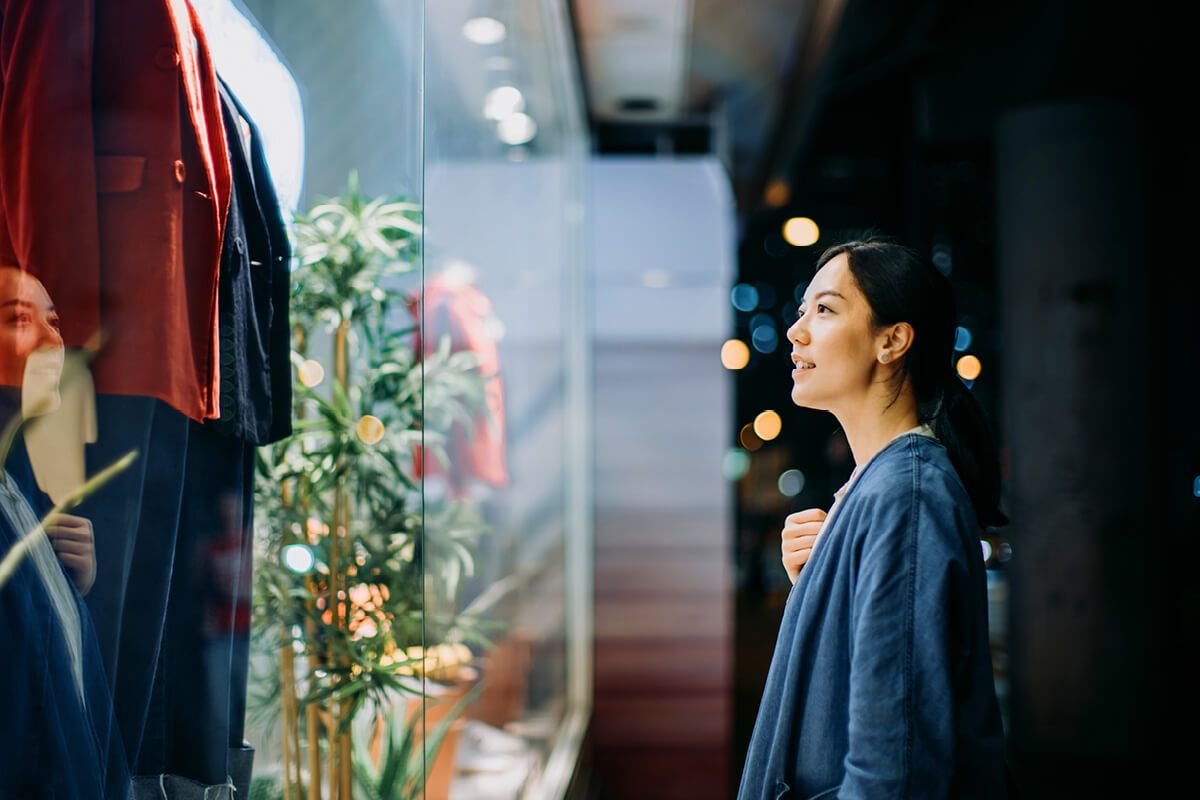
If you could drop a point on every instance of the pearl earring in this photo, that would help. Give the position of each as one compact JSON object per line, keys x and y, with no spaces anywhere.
{"x":886,"y":357}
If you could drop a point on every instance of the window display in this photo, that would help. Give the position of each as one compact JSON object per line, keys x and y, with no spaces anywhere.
{"x":292,"y":379}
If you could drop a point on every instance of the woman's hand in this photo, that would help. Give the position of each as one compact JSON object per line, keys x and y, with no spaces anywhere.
{"x":799,"y":534}
{"x":73,"y":543}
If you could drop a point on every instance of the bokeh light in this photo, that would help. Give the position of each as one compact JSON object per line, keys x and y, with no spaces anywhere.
{"x":765,"y":339}
{"x":735,"y":464}
{"x":962,"y":338}
{"x":502,"y":102}
{"x":298,"y":558}
{"x":791,"y":483}
{"x":749,"y":439}
{"x":969,"y":368}
{"x":735,"y":354}
{"x":987,"y":549}
{"x":516,"y":129}
{"x":311,"y":373}
{"x":369,"y":429}
{"x":801,"y":232}
{"x":744,"y":297}
{"x":484,"y":30}
{"x":767,"y":425}
{"x":777,"y":193}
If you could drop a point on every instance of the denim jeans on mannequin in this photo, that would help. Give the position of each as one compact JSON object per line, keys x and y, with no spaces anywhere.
{"x":173,"y":543}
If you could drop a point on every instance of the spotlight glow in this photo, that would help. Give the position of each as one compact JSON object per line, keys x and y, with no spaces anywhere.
{"x":503,"y":102}
{"x":516,"y":129}
{"x":484,"y":30}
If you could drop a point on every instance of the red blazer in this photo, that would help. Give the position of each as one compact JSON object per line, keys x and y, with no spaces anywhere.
{"x":114,"y":185}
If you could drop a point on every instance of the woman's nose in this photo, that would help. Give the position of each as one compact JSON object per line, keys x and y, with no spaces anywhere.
{"x":48,"y":334}
{"x":796,"y":333}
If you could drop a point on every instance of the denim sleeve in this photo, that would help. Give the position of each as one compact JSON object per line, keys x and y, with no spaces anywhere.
{"x":901,"y":737}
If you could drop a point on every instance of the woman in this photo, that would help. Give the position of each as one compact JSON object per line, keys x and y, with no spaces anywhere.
{"x":881,"y":682}
{"x":57,"y":731}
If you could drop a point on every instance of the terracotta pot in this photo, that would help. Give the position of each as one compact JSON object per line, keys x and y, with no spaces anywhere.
{"x":505,"y":681}
{"x":441,"y":702}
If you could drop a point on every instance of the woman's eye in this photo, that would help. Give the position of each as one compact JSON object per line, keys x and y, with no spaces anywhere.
{"x":820,"y":307}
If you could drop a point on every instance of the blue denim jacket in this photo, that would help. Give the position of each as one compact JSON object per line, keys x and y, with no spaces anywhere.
{"x":881,"y":682}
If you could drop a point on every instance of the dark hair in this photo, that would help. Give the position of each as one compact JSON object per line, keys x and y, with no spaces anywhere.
{"x":900,"y":287}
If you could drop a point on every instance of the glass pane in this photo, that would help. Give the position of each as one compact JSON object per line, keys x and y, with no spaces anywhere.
{"x":338,"y":660}
{"x":504,"y":156}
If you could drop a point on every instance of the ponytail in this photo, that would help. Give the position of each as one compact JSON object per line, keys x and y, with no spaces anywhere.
{"x":959,"y":423}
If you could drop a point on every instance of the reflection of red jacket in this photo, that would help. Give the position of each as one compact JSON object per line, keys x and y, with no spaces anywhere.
{"x":114,"y":182}
{"x":461,"y":312}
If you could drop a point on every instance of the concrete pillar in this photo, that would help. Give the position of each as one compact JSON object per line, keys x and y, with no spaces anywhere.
{"x":1085,"y":606}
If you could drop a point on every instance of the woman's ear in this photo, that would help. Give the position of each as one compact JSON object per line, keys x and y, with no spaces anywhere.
{"x":894,"y":342}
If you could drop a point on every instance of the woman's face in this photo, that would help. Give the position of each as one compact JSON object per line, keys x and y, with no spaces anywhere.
{"x":833,"y":333}
{"x":28,"y":323}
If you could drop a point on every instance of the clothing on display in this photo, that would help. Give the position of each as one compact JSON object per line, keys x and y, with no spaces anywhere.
{"x":135,"y":187}
{"x":255,"y":334}
{"x":453,"y":305}
{"x":115,"y":183}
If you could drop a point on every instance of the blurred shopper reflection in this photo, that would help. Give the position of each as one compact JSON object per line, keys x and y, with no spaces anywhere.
{"x":57,"y":711}
{"x":135,"y":189}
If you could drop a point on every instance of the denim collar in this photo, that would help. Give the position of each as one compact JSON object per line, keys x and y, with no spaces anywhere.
{"x":922,"y":429}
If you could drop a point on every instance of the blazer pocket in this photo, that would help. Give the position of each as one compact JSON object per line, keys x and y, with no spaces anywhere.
{"x":119,"y":173}
{"x":826,"y":794}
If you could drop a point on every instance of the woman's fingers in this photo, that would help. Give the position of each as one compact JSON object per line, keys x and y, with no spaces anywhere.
{"x":799,"y":543}
{"x":798,"y":537}
{"x":75,"y":562}
{"x":67,"y":546}
{"x":807,"y":515}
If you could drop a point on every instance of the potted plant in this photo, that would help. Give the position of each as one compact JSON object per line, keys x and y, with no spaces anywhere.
{"x":342,"y":590}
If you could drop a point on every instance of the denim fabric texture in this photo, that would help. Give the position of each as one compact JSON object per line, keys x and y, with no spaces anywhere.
{"x":55,"y":742}
{"x":881,"y":682}
{"x":173,"y":540}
